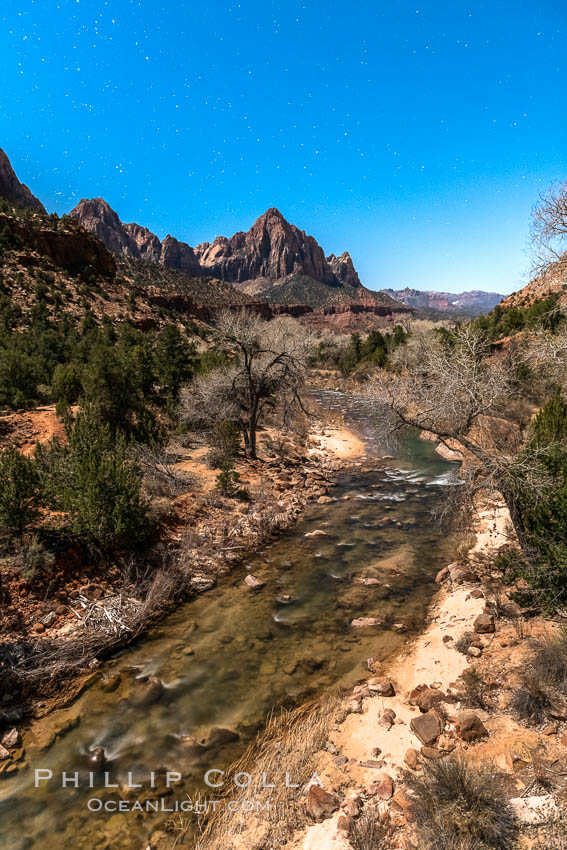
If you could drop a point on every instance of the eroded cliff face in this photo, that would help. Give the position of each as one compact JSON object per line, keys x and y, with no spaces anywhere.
{"x":133,"y":240}
{"x":179,"y":256}
{"x":70,"y":250}
{"x":344,"y":270}
{"x":272,"y":249}
{"x":13,"y":190}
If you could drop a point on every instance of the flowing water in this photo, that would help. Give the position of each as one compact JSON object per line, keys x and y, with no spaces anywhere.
{"x":213,"y":669}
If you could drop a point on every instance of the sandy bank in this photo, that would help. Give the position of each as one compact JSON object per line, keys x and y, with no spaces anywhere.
{"x":340,"y":443}
{"x":430,"y":659}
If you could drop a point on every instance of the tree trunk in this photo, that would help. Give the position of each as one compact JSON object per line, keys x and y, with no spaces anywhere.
{"x":252,"y":444}
{"x":517,"y":520}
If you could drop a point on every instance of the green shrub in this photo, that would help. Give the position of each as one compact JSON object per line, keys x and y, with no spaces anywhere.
{"x":95,"y":481}
{"x":224,"y":440}
{"x":174,"y":359}
{"x":66,"y":383}
{"x":18,"y":379}
{"x":227,"y":479}
{"x":19,"y":491}
{"x":34,"y":560}
{"x":544,"y":567}
{"x":458,"y":806}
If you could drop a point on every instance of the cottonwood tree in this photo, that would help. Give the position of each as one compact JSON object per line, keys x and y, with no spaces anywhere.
{"x":549,"y":231}
{"x":267,"y":368}
{"x":452,"y":386}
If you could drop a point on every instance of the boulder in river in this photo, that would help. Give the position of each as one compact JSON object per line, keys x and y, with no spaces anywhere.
{"x":153,"y":691}
{"x":285,"y":599}
{"x":254,"y":582}
{"x":97,"y":758}
{"x":366,"y":622}
{"x":220,"y":737}
{"x":11,"y":739}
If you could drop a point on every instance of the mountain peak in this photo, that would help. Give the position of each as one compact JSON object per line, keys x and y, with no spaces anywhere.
{"x":271,"y":250}
{"x":13,"y":190}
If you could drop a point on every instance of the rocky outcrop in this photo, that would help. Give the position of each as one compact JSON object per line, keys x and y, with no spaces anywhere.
{"x":179,"y":256}
{"x":344,"y":270}
{"x":98,"y":217}
{"x":146,"y":245}
{"x":73,"y":250}
{"x":272,"y":249}
{"x":13,"y":190}
{"x":133,"y":240}
{"x":188,"y":306}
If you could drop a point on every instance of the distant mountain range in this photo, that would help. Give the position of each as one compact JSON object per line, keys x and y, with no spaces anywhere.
{"x":473,"y":303}
{"x":273,"y":262}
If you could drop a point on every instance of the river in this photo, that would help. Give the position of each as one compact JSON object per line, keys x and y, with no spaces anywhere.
{"x":224,"y":660}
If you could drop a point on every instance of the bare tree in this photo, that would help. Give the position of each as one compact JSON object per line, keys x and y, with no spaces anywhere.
{"x":268,"y":365}
{"x":549,"y":231}
{"x":455,"y":389}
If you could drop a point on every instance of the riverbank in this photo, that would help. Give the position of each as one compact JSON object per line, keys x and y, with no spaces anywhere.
{"x":452,"y":690}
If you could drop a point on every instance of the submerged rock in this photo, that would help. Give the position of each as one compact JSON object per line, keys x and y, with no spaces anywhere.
{"x":97,"y":758}
{"x":366,"y":622}
{"x":254,"y":582}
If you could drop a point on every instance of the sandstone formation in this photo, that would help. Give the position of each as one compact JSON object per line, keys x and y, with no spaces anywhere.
{"x":13,"y":190}
{"x":133,"y":240}
{"x":344,"y":270}
{"x":272,"y":248}
{"x":73,"y":250}
{"x":274,"y":261}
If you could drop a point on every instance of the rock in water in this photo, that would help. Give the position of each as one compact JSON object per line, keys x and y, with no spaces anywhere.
{"x":97,"y":758}
{"x":365,"y":622}
{"x":254,"y":582}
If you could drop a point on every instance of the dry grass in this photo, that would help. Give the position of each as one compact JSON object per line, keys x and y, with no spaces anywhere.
{"x":463,"y":643}
{"x":367,"y":833}
{"x":532,"y":701}
{"x":461,"y":807}
{"x":288,"y":743}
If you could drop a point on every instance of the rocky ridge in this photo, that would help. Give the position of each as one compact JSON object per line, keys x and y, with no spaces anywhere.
{"x":133,"y":240}
{"x":13,"y":190}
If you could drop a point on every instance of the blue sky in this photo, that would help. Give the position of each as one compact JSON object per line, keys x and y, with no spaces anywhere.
{"x":416,"y":135}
